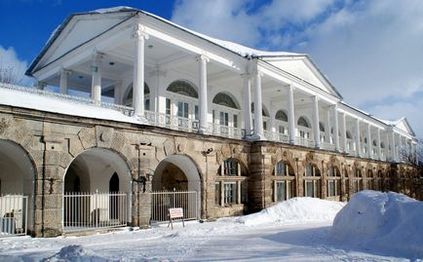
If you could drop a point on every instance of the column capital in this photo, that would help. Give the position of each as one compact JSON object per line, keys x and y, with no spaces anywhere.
{"x":65,"y":71}
{"x":202,"y":58}
{"x":139,"y":32}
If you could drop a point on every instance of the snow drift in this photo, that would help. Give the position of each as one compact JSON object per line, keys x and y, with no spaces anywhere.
{"x":295,"y":211}
{"x":75,"y":253}
{"x":386,"y":222}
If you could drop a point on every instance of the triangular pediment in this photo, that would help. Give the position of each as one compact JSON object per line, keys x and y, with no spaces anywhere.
{"x":77,"y":30}
{"x":403,"y":125}
{"x":302,"y":67}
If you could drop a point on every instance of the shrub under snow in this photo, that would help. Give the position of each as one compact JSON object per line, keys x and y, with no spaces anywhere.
{"x":387,"y":222}
{"x":294,"y":211}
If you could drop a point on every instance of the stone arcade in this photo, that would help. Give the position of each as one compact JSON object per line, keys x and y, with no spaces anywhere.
{"x":129,"y":104}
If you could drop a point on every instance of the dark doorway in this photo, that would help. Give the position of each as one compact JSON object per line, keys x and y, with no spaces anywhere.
{"x":114,"y":199}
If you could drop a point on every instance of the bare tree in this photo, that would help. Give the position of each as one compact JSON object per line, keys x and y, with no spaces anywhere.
{"x":415,"y":160}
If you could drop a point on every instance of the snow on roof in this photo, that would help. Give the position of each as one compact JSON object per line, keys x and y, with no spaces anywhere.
{"x":234,"y":47}
{"x":31,"y":100}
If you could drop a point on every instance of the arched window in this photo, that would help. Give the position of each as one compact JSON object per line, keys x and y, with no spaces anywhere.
{"x":374,"y":142}
{"x":284,"y":184}
{"x":225,"y":100}
{"x":183,"y":87}
{"x":230,"y":186}
{"x":281,"y":116}
{"x":382,"y":145}
{"x":348,"y":134}
{"x":370,"y":179}
{"x":334,"y":182}
{"x":312,"y":181}
{"x":303,"y":122}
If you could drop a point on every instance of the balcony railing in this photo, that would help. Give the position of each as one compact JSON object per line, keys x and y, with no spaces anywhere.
{"x":226,"y":131}
{"x":327,"y":146}
{"x":275,"y":136}
{"x":302,"y":141}
{"x":192,"y":125}
{"x":172,"y":122}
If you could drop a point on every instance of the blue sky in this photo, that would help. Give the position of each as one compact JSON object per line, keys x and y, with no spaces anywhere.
{"x":371,"y":50}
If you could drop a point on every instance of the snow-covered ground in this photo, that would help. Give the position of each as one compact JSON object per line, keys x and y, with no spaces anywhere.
{"x":274,"y":236}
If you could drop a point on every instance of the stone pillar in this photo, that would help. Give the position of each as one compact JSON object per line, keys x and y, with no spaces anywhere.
{"x":379,"y":149}
{"x":316,"y":120}
{"x":64,"y":81}
{"x":344,"y":132}
{"x":369,"y":141}
{"x":247,"y":104}
{"x":203,"y":92}
{"x":258,"y":108}
{"x":291,"y":115}
{"x":336,"y":127}
{"x":357,"y":137}
{"x":96,"y":79}
{"x":138,"y":82}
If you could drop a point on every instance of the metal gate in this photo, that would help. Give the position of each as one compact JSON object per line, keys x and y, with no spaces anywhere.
{"x":162,"y":201}
{"x":90,"y":211}
{"x":13,"y":215}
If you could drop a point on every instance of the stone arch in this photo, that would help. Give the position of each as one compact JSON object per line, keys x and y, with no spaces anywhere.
{"x":113,"y":162}
{"x":287,"y":156}
{"x":90,"y":172}
{"x":186,"y":169}
{"x":17,"y":175}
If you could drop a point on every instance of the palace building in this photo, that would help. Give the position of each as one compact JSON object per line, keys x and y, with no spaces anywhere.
{"x":133,"y":115}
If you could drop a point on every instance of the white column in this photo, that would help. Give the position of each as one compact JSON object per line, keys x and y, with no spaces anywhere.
{"x":357,"y":137}
{"x":336,"y":127}
{"x":316,"y":121}
{"x":344,"y":132}
{"x":258,"y":108}
{"x":394,"y":147}
{"x":138,"y":82}
{"x":202,"y":61}
{"x":96,"y":79}
{"x":291,"y":114}
{"x":369,"y":141}
{"x":64,"y":81}
{"x":328,"y":126}
{"x":118,"y":90}
{"x":247,"y":104}
{"x":379,"y":149}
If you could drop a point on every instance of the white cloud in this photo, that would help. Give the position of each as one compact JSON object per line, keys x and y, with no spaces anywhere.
{"x":371,"y":50}
{"x":12,"y":69}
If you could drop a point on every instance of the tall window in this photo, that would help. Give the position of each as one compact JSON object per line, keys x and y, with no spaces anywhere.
{"x":183,"y":95}
{"x":312,"y":181}
{"x":225,"y":113}
{"x":284,"y":182}
{"x":370,"y":180}
{"x":333,"y":182}
{"x":303,"y":128}
{"x":230,"y":187}
{"x":281,"y":122}
{"x":358,"y":180}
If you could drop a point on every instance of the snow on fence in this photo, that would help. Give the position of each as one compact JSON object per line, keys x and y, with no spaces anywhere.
{"x":90,"y":211}
{"x":162,"y":201}
{"x":13,"y":215}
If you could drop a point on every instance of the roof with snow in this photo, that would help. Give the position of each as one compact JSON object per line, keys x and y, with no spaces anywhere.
{"x":130,"y":11}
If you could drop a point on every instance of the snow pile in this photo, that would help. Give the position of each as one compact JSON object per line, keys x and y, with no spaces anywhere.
{"x":295,"y":211}
{"x":387,"y":222}
{"x":75,"y":253}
